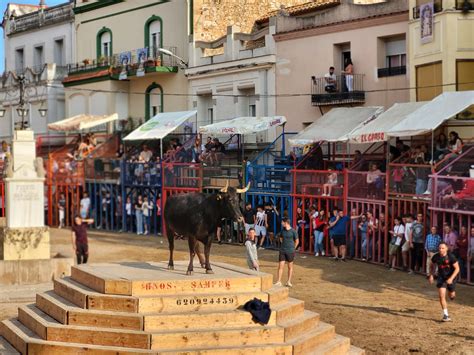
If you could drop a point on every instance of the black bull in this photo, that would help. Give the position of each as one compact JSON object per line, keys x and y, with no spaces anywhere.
{"x":196,"y":217}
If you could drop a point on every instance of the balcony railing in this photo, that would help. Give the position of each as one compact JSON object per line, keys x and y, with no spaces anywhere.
{"x":465,"y":5}
{"x":363,"y":185}
{"x":346,"y":89}
{"x":153,"y":59}
{"x":391,"y":71}
{"x":437,"y":4}
{"x":43,"y":17}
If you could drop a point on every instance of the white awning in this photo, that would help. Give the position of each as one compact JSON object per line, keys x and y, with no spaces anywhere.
{"x":80,"y":122}
{"x":376,"y":130}
{"x":430,"y":116}
{"x":243,"y":125}
{"x":160,"y":125}
{"x":336,"y":125}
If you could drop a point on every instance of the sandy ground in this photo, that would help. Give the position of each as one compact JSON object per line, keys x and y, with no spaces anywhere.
{"x":381,"y":312}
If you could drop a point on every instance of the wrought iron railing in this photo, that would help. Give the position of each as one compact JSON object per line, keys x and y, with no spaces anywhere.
{"x":344,"y":89}
{"x":391,"y":71}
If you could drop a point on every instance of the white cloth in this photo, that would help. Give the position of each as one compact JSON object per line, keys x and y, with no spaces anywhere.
{"x":400,"y":229}
{"x":331,"y":82}
{"x":85,"y":204}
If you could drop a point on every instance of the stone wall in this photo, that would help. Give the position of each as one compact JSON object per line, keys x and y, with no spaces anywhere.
{"x":211,"y":17}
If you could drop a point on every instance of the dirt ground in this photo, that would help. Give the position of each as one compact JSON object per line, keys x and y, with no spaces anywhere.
{"x":382,"y":312}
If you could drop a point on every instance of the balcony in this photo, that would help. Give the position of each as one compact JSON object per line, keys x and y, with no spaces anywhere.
{"x":391,"y":71}
{"x":437,"y":4}
{"x":43,"y":17}
{"x":322,"y":93}
{"x":154,"y":62}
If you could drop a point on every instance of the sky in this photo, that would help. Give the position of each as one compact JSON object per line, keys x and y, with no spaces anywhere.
{"x":3,"y":6}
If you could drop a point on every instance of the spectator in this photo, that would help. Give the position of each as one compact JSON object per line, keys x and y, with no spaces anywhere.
{"x":331,"y":182}
{"x":251,"y":251}
{"x":455,"y":198}
{"x":128,"y":215}
{"x":338,"y":224}
{"x":62,"y":210}
{"x":441,"y":147}
{"x":119,"y":213}
{"x":5,"y":152}
{"x":79,"y":239}
{"x":372,"y":230}
{"x":455,"y":144}
{"x":450,"y":237}
{"x":354,"y":240}
{"x":260,"y":226}
{"x":374,"y":181}
{"x":120,"y":151}
{"x":359,"y":161}
{"x":85,"y":205}
{"x":407,"y":242}
{"x":272,"y":215}
{"x":146,"y":154}
{"x":431,"y":247}
{"x":319,"y":224}
{"x":426,"y":153}
{"x":418,"y":243}
{"x":197,"y":150}
{"x":180,"y":155}
{"x":158,"y":213}
{"x":349,"y":73}
{"x":302,"y":220}
{"x":217,"y":151}
{"x":147,"y":209}
{"x":461,"y":251}
{"x":363,"y":236}
{"x":330,"y":81}
{"x":106,"y":211}
{"x":288,"y":244}
{"x":398,"y":235}
{"x":206,"y":155}
{"x":139,"y":214}
{"x":249,"y":217}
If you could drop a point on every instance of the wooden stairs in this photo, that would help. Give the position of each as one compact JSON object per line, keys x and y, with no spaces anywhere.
{"x":143,"y":308}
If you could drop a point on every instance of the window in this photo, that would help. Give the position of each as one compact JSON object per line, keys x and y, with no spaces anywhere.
{"x":394,"y":56}
{"x":154,"y":34}
{"x":104,"y":43}
{"x":59,"y":52}
{"x":464,"y":82}
{"x":19,"y":60}
{"x":253,"y":110}
{"x":210,"y":115}
{"x":38,"y":59}
{"x":153,"y":100}
{"x":429,"y":81}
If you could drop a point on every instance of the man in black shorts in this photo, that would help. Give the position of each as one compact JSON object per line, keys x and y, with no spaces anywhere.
{"x":288,"y":243}
{"x":79,"y":239}
{"x":338,"y":227}
{"x":448,"y":271}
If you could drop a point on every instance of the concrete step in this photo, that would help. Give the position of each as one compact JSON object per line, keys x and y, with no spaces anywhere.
{"x":356,"y":351}
{"x":308,"y":341}
{"x":336,"y":346}
{"x":6,"y":348}
{"x":302,"y":324}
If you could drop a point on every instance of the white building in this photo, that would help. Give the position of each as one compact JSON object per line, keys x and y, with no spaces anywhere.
{"x":238,"y":82}
{"x":38,"y":43}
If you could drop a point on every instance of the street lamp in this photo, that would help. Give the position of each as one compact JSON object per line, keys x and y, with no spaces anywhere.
{"x":171,"y":54}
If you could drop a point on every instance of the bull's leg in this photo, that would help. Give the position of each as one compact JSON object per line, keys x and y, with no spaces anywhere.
{"x":207,"y":250}
{"x":170,"y":235}
{"x":202,"y":259}
{"x":192,"y":245}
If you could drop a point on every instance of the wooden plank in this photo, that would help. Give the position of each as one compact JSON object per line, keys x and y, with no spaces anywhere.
{"x":93,"y":282}
{"x":99,"y":336}
{"x":112,"y":303}
{"x":33,"y":322}
{"x":190,"y":303}
{"x":197,"y":286}
{"x":6,"y":348}
{"x":52,"y":307}
{"x":300,"y":325}
{"x":57,"y":348}
{"x":217,"y":338}
{"x":337,"y":345}
{"x":203,"y":320}
{"x":71,"y":292}
{"x":10,"y":331}
{"x":274,"y":349}
{"x":277,"y":295}
{"x":310,"y":340}
{"x":105,"y":319}
{"x":288,"y":310}
{"x":267,"y":282}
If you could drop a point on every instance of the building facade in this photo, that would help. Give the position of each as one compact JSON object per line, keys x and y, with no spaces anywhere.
{"x":239,"y":82}
{"x":39,"y":42}
{"x":119,"y":66}
{"x":313,"y":37}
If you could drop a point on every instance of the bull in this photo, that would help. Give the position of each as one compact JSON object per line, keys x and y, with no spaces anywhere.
{"x":196,"y":216}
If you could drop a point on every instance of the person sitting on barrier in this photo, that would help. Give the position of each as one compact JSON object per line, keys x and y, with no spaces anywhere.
{"x":217,"y":151}
{"x":206,"y":156}
{"x":455,"y":145}
{"x":196,"y":150}
{"x":454,"y":199}
{"x":331,"y":182}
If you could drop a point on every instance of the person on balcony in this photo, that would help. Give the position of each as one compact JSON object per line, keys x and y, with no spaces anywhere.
{"x":331,"y":182}
{"x":349,"y":73}
{"x":330,"y":81}
{"x":374,"y":181}
{"x":453,"y":199}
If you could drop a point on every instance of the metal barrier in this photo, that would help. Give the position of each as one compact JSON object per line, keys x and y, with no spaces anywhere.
{"x":269,"y":178}
{"x":408,"y":180}
{"x":364,"y":185}
{"x":2,"y":199}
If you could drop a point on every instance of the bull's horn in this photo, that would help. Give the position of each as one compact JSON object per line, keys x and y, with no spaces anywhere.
{"x":224,"y":189}
{"x":242,"y":191}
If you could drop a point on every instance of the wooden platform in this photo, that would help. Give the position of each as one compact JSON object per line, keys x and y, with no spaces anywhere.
{"x":143,"y":308}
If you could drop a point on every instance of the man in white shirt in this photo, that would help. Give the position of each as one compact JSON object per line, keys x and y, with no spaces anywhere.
{"x":146,"y":154}
{"x":85,"y":205}
{"x":330,"y":81}
{"x":407,"y":245}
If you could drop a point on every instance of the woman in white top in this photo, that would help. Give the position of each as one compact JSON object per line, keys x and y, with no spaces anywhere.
{"x":146,"y":210}
{"x":397,"y":236}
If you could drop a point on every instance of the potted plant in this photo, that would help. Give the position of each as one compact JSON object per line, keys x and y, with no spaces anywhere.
{"x":102,"y":60}
{"x":87,"y":61}
{"x":158,"y":62}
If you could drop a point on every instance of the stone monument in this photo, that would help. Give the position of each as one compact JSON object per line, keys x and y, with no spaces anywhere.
{"x":25,"y":255}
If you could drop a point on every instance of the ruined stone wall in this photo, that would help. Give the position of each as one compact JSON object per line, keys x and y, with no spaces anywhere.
{"x":211,"y":17}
